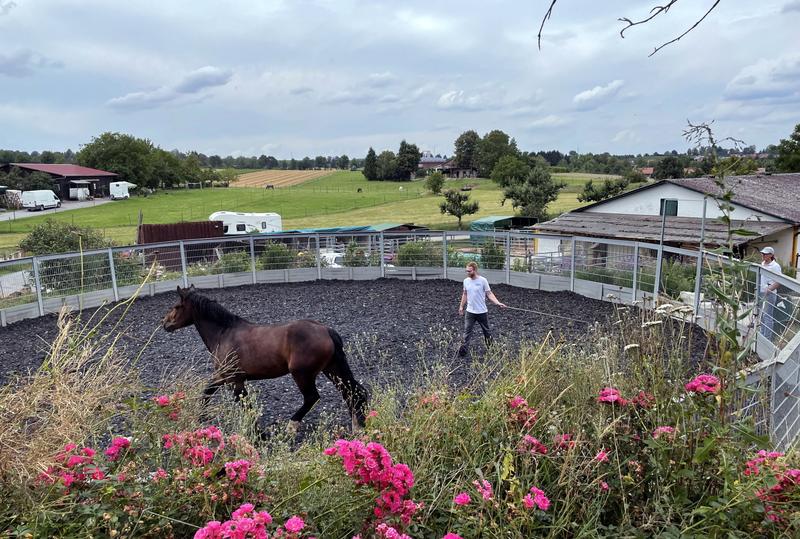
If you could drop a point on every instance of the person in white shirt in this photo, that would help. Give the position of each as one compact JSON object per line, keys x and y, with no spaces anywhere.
{"x":766,"y":291}
{"x":476,"y":290}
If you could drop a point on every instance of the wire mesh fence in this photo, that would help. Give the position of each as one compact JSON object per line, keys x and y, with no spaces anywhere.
{"x":31,"y":287}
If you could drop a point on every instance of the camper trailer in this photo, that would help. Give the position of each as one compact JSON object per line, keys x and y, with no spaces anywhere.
{"x":120,"y":190}
{"x":39,"y":200}
{"x":236,"y":223}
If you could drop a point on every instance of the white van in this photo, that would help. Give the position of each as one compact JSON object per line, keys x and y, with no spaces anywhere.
{"x":40,"y":200}
{"x":120,"y":190}
{"x":237,"y":223}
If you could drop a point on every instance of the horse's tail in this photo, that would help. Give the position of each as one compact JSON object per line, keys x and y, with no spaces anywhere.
{"x":338,"y":371}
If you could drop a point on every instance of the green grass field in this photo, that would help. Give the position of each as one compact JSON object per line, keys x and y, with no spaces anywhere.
{"x":329,"y":201}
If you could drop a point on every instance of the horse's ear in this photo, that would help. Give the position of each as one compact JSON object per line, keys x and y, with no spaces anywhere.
{"x":181,"y":292}
{"x":191,"y":287}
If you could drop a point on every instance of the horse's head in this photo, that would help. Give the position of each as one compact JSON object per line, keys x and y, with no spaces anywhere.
{"x":181,"y":314}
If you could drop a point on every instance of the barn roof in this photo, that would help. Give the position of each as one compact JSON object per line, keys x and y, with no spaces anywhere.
{"x":67,"y":171}
{"x":678,"y":230}
{"x":772,"y":194}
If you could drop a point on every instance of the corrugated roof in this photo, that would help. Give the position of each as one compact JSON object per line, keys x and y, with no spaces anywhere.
{"x":493,"y":219}
{"x":67,"y":171}
{"x":680,"y":230}
{"x":773,"y":194}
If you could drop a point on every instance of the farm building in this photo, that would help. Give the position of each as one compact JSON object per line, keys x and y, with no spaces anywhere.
{"x":450,"y":170}
{"x":501,"y":222}
{"x":764,"y":204}
{"x":70,"y":179}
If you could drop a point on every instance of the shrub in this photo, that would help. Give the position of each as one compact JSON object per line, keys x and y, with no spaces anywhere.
{"x":276,"y":255}
{"x":52,"y":237}
{"x":233,"y":262}
{"x":354,"y":255}
{"x":493,"y":255}
{"x":435,"y":182}
{"x":420,"y":253}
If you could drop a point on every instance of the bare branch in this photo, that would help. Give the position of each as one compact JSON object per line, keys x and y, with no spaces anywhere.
{"x":629,"y":23}
{"x":716,"y":3}
{"x":544,"y":20}
{"x":655,"y":12}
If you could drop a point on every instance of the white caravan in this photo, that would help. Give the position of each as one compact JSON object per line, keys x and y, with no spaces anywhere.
{"x":39,"y":200}
{"x":236,"y":223}
{"x":119,"y":190}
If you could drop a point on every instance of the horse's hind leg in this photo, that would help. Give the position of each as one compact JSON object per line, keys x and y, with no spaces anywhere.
{"x":307,"y":383}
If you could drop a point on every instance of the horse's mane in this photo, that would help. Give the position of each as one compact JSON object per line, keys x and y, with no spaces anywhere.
{"x":212,"y":310}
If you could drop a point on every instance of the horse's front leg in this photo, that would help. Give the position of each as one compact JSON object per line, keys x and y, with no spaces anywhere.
{"x":212,"y":387}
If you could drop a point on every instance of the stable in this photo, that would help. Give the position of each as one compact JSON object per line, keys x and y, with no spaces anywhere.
{"x":763,"y":204}
{"x":72,"y":182}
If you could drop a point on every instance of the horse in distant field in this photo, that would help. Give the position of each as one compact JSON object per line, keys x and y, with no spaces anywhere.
{"x":245,"y":351}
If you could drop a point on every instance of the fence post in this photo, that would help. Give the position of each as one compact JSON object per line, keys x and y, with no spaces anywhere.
{"x":635,"y":281}
{"x":382,"y":253}
{"x":319,"y":257}
{"x":508,"y":257}
{"x":698,"y":277}
{"x":113,"y":274}
{"x":184,"y":269}
{"x":38,"y":281}
{"x":757,"y":314}
{"x":444,"y":254}
{"x":253,"y":258}
{"x":572,"y":268}
{"x":657,"y":280}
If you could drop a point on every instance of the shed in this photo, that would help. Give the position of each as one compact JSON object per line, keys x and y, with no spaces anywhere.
{"x":64,"y":174}
{"x":170,"y":257}
{"x":502,"y":222}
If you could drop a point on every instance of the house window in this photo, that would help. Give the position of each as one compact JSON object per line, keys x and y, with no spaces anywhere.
{"x":225,"y":229}
{"x":669,"y":207}
{"x":240,"y":228}
{"x":263,"y":225}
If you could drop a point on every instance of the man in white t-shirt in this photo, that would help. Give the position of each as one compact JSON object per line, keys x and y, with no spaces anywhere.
{"x":476,"y":290}
{"x":766,"y":291}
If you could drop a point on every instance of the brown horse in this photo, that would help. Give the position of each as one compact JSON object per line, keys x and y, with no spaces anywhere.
{"x":245,"y":351}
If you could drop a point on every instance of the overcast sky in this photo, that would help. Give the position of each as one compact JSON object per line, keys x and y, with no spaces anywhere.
{"x":300,"y":77}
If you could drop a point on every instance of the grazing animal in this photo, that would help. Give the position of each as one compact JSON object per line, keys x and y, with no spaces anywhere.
{"x":358,"y":190}
{"x":269,"y":186}
{"x":245,"y":351}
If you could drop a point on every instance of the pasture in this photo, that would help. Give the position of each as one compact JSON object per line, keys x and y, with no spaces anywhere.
{"x":329,"y":200}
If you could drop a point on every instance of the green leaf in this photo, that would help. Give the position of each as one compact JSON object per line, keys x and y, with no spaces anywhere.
{"x":743,"y":232}
{"x":703,"y":453}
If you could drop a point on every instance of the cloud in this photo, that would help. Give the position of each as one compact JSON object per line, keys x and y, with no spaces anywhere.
{"x":301,"y":90}
{"x":424,"y":24}
{"x":187,"y":90}
{"x":597,"y":96}
{"x":626,"y":135}
{"x":551,"y":120}
{"x":380,"y":80}
{"x":791,"y":6}
{"x":776,"y":80}
{"x":24,"y":62}
{"x":5,"y":7}
{"x":461,"y":100}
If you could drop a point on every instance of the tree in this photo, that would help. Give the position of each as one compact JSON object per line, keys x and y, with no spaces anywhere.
{"x":321,"y":161}
{"x":371,"y":165}
{"x":125,"y":155}
{"x":466,"y":149}
{"x":458,"y":205}
{"x":59,"y":237}
{"x":435,"y":182}
{"x":262,"y":161}
{"x":491,"y":148}
{"x":25,"y":181}
{"x":408,"y":157}
{"x":533,"y":194}
{"x":788,"y":150}
{"x":668,"y":167}
{"x":215,"y":161}
{"x":509,"y":169}
{"x":344,"y":162}
{"x":387,"y":165}
{"x":167,"y":168}
{"x":609,"y":188}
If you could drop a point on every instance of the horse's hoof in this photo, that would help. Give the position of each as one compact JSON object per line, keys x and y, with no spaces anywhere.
{"x":292,"y":427}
